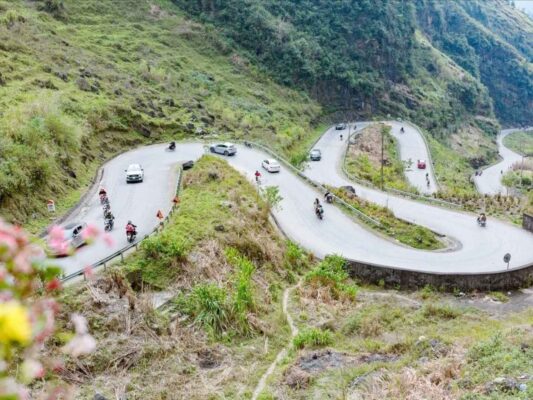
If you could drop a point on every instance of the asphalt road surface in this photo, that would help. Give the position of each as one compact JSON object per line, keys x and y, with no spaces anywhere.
{"x":480,"y":249}
{"x":490,"y":181}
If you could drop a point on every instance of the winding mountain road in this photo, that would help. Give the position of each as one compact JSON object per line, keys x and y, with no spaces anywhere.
{"x":480,"y":250}
{"x":490,"y":181}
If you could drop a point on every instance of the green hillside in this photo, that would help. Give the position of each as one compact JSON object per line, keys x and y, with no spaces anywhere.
{"x":80,"y":81}
{"x":362,"y":56}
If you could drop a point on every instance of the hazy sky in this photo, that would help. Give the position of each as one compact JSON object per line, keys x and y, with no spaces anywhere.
{"x":526,"y":5}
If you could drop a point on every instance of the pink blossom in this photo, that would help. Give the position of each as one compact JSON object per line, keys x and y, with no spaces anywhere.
{"x":8,"y":241}
{"x":80,"y":323}
{"x":32,"y":369}
{"x":57,"y":233}
{"x":88,"y":272}
{"x":90,"y":232}
{"x":108,"y":239}
{"x":23,"y":262}
{"x":80,"y":345}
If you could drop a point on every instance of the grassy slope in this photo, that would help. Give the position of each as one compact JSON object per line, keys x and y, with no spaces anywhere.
{"x":102,"y":73}
{"x":364,"y":159}
{"x":162,"y":354}
{"x":147,"y":353}
{"x":520,"y":142}
{"x":437,"y":349}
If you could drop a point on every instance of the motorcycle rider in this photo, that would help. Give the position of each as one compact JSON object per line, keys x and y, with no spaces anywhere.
{"x":402,"y":130}
{"x":482,"y":219}
{"x":172,"y":145}
{"x":328,"y":196}
{"x":257,"y":176}
{"x":130,"y":229}
{"x":109,"y":218}
{"x":319,"y":211}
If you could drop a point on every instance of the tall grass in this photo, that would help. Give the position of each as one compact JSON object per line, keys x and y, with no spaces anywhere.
{"x":330,"y":274}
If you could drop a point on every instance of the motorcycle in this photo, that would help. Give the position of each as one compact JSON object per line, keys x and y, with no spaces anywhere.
{"x":329,"y":198}
{"x":131,"y":235}
{"x":248,"y":144}
{"x":106,"y":209}
{"x":108,"y":224}
{"x":171,"y":146}
{"x":481,"y":222}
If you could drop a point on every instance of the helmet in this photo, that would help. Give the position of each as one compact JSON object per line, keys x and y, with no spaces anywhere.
{"x":129,"y":222}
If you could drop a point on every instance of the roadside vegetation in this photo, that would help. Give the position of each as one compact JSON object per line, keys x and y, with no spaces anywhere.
{"x":82,"y":81}
{"x":520,"y":142}
{"x":409,"y":234}
{"x":202,"y":302}
{"x":363,"y":159}
{"x":221,"y":268}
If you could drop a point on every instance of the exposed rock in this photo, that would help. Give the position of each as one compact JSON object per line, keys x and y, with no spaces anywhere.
{"x":47,"y":84}
{"x":62,"y":75}
{"x":220,"y":228}
{"x":83,"y":84}
{"x":98,"y":396}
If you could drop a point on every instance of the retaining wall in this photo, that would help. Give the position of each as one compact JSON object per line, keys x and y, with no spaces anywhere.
{"x":405,"y":279}
{"x":527,"y":222}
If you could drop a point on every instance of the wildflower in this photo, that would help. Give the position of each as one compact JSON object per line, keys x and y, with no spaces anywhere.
{"x":54,"y":284}
{"x":14,"y":323}
{"x":108,"y":239}
{"x":31,"y":369}
{"x":90,"y":233}
{"x":88,"y":272}
{"x":80,"y":345}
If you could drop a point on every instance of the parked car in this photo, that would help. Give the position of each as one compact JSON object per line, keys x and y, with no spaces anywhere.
{"x":315,"y":155}
{"x":271,"y":165}
{"x":72,"y":239}
{"x":340,"y":126}
{"x":421,"y":164}
{"x":228,"y":149}
{"x":134,"y":173}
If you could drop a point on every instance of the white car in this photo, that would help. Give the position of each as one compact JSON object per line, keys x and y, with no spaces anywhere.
{"x":271,"y":165}
{"x":134,"y":173}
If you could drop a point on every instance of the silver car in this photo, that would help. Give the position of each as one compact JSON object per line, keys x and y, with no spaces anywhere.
{"x":134,"y":173}
{"x":228,"y":149}
{"x":72,"y":239}
{"x":315,"y":155}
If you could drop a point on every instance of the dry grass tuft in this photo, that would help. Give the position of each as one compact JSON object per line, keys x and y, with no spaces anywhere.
{"x":432,"y":381}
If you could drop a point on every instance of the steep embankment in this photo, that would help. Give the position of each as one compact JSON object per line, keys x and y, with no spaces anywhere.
{"x":442,"y":65}
{"x":80,"y":80}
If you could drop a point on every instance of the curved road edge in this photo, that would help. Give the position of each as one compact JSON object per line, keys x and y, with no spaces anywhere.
{"x":489,"y":182}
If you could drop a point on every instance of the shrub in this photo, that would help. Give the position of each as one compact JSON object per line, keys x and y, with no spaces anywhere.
{"x":439,"y":311}
{"x":312,"y":337}
{"x":330,"y":273}
{"x":243,"y":300}
{"x":295,"y":257}
{"x":208,"y":304}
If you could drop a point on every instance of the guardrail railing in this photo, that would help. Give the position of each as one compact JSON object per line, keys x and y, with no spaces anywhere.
{"x":319,"y":186}
{"x":120,"y":253}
